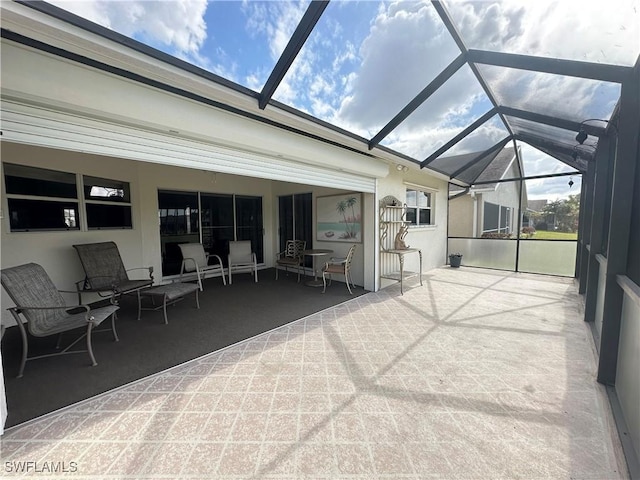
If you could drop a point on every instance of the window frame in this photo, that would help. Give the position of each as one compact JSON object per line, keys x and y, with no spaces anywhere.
{"x":79,"y":202}
{"x":431,"y":193}
{"x":106,"y":203}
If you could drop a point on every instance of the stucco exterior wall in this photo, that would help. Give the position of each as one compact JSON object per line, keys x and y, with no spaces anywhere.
{"x":431,"y":239}
{"x":461,"y":216}
{"x":140,"y":246}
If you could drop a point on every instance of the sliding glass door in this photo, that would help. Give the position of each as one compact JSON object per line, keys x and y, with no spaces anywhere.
{"x":295,"y":220}
{"x":249,"y":224}
{"x":217,"y":224}
{"x":179,"y":223}
{"x":211,"y":219}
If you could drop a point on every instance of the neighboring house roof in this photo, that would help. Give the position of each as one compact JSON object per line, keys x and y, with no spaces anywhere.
{"x":496,"y":170}
{"x":536,"y":205}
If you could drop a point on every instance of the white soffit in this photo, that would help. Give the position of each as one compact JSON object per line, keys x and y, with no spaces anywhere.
{"x":38,"y":126}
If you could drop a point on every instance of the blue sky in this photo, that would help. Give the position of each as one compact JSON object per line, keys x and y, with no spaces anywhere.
{"x":366,"y":59}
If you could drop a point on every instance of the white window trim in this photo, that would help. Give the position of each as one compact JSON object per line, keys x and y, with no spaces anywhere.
{"x":432,"y":207}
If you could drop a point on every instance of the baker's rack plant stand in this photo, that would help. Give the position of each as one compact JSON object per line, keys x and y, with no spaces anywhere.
{"x":393,"y":217}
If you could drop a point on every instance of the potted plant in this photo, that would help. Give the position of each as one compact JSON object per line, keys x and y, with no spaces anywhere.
{"x":455,"y":259}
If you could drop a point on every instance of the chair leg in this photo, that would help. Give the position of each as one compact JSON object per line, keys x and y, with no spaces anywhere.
{"x":199,"y":281}
{"x":346,"y":278}
{"x":324,"y":282}
{"x":197,"y":300}
{"x":113,"y":327}
{"x":25,"y":342}
{"x":89,"y":347}
{"x":255,"y":270}
{"x":277,"y":272}
{"x":164,"y":309}
{"x":230,"y":281}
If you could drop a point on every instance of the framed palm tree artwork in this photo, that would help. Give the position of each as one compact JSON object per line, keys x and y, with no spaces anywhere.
{"x":339,"y":218}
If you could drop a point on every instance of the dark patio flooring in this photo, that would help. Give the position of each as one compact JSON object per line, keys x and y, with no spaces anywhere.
{"x":227,"y":315}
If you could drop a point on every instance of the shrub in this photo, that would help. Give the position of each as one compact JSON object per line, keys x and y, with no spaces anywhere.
{"x":496,"y":235}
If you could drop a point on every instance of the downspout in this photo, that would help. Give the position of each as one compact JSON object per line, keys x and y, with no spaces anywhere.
{"x":460,"y":194}
{"x":475,"y":216}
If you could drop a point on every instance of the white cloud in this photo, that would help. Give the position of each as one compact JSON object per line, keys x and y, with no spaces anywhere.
{"x":536,"y":162}
{"x":178,"y":24}
{"x":366,"y":60}
{"x":589,"y":30}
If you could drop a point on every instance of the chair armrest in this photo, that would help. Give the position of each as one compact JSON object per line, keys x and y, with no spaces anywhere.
{"x":82,"y":285}
{"x":87,"y":309}
{"x":210,"y":255}
{"x":184,"y":262}
{"x":150,"y":269}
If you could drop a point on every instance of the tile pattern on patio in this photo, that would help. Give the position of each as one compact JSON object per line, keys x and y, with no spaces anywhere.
{"x":478,"y":374}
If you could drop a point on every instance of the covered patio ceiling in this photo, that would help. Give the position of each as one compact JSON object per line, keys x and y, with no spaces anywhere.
{"x":423,"y":81}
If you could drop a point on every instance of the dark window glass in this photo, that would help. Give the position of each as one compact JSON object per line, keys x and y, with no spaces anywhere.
{"x":108,"y":216}
{"x":249,"y":223}
{"x":22,"y":180}
{"x":491,"y":212}
{"x":412,"y":216}
{"x":217,"y":224}
{"x":418,"y":207}
{"x":217,"y":210}
{"x":179,"y":223}
{"x":106,"y":190}
{"x":42,"y":215}
{"x":425,"y":217}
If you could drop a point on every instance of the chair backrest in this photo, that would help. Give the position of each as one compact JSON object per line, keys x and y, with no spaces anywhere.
{"x":195,"y":251}
{"x":29,"y":286}
{"x":347,"y":263}
{"x":102,"y":264}
{"x":294,"y":248}
{"x":240,"y":251}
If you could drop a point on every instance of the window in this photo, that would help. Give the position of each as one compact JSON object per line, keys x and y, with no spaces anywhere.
{"x":42,"y":199}
{"x":497,"y":219}
{"x":108,"y":203}
{"x":491,"y":217}
{"x":419,"y":207}
{"x":505,"y":220}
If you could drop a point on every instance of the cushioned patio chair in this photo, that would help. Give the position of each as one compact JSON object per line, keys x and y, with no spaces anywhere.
{"x":341,"y":266}
{"x":291,"y":256}
{"x":242,"y":258}
{"x":105,"y":273}
{"x":195,"y":259}
{"x":46,"y":313}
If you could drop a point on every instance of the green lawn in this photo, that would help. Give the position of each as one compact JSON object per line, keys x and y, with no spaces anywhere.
{"x":544,"y":235}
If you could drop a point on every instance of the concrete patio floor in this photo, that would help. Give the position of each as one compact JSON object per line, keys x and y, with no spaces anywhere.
{"x":477,"y":374}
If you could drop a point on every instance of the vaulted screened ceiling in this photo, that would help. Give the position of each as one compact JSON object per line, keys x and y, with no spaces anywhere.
{"x":426,"y":80}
